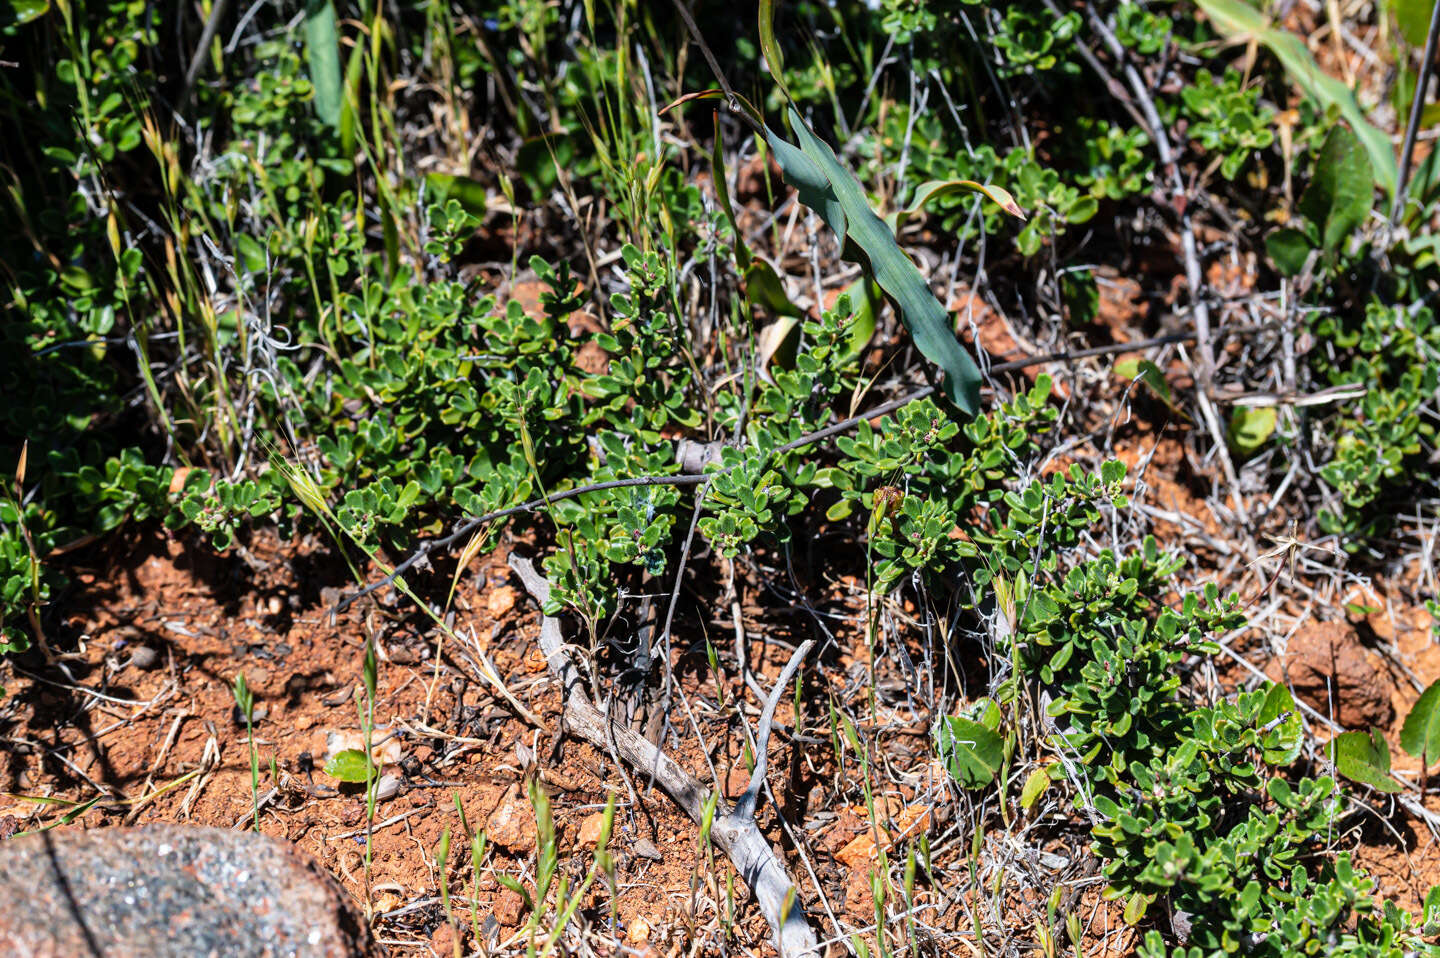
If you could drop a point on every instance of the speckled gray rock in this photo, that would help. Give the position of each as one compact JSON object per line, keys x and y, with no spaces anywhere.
{"x":166,"y":890}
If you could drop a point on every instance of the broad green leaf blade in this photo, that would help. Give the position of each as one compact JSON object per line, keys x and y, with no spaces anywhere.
{"x":971,"y":752}
{"x":348,"y":766}
{"x":1034,"y":787}
{"x":868,"y":301}
{"x":1364,"y":757}
{"x":1282,"y":744}
{"x":929,"y":322}
{"x":1243,"y":23}
{"x":1289,"y":248}
{"x":1421,"y":733}
{"x":815,"y":189}
{"x":14,"y":13}
{"x":1147,"y":372}
{"x":322,"y":53}
{"x":1342,"y":189}
{"x":1413,"y":18}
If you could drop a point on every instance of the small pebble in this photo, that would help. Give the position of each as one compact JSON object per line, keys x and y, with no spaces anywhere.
{"x":238,"y":717}
{"x":144,"y":657}
{"x":646,"y":849}
{"x":387,"y":788}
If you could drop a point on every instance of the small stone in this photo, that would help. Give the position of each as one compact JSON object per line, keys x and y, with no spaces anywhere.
{"x":646,"y":849}
{"x":638,"y":931}
{"x":737,"y":781}
{"x":446,"y":942}
{"x":590,"y":830}
{"x":512,"y":825}
{"x":257,"y":715}
{"x":507,"y":908}
{"x":387,"y":788}
{"x":500,"y":601}
{"x":145,"y":658}
{"x":1332,"y":672}
{"x":170,"y":890}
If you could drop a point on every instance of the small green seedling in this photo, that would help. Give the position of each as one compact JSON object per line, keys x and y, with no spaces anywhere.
{"x":245,"y":701}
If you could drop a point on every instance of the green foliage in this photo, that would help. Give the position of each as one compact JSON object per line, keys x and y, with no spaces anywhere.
{"x":1333,"y":206}
{"x":1227,"y":119}
{"x":1364,"y":757}
{"x":1420,"y":735}
{"x":971,"y":751}
{"x":1242,"y":22}
{"x":290,"y":275}
{"x":833,"y":192}
{"x":1380,"y":441}
{"x":349,"y":765}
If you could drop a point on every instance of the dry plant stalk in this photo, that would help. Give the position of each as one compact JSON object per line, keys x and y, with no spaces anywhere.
{"x":735,"y":831}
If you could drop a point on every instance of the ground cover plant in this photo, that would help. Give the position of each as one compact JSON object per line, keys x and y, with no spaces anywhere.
{"x":939,"y":429}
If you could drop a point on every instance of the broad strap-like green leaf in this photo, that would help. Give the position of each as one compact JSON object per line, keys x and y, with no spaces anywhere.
{"x":322,"y":54}
{"x":815,"y":188}
{"x":932,"y":190}
{"x":829,"y":188}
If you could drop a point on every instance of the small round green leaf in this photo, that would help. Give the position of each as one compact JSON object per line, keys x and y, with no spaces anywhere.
{"x":348,"y":766}
{"x":971,"y":752}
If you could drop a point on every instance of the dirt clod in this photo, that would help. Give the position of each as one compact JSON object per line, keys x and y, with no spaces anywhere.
{"x":1329,"y":669}
{"x":512,"y":825}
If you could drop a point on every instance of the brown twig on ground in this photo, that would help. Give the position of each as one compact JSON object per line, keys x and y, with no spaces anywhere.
{"x":734,"y":831}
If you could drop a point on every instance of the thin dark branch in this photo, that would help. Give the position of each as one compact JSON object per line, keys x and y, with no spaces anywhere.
{"x":1412,"y":128}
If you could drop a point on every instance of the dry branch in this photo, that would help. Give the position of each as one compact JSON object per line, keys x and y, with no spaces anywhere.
{"x":734,"y":832}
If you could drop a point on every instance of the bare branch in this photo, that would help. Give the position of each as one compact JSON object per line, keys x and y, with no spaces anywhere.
{"x":739,"y":839}
{"x":745,"y":806}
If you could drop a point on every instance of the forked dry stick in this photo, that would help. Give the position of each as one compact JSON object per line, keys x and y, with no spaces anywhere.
{"x":734,"y":830}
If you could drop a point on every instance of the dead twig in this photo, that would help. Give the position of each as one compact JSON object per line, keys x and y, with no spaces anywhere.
{"x":736,"y":833}
{"x":1194,"y":278}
